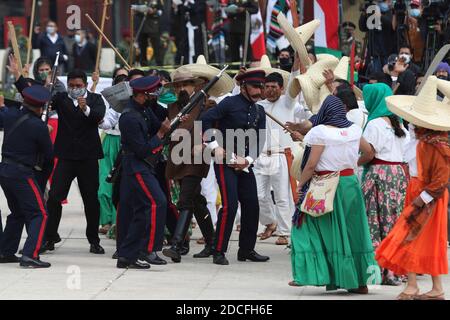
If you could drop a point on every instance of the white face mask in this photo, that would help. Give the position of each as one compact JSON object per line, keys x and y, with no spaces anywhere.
{"x":405,"y":56}
{"x":77,"y":38}
{"x":51,"y":30}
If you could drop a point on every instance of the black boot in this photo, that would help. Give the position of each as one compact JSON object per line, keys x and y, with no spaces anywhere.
{"x":219,"y":258}
{"x":185,"y":247}
{"x":152,"y":258}
{"x":251,"y":255}
{"x":175,"y":251}
{"x":27,"y":262}
{"x":9,"y":259}
{"x":123,"y":263}
{"x":205,"y":253}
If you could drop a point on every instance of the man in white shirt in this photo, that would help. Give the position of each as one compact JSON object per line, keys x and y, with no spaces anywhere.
{"x":271,"y":168}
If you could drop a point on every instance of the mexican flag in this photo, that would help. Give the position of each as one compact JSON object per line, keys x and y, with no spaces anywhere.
{"x":327,"y":11}
{"x":257,"y":39}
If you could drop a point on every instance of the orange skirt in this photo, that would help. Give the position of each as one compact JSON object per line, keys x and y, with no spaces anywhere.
{"x":427,"y":254}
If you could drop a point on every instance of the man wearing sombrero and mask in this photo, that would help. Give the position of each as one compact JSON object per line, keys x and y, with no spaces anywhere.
{"x":235,"y":177}
{"x":191,"y":201}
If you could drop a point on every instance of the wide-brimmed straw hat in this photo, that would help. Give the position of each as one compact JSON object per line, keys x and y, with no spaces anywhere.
{"x":201,"y":69}
{"x":423,"y":110}
{"x":298,"y":37}
{"x":312,"y":80}
{"x":444,"y":87}
{"x":183,"y":74}
{"x":266,"y":66}
{"x":340,"y":72}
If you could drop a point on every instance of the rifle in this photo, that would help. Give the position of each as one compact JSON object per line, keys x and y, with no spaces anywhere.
{"x":51,"y":88}
{"x":153,"y":159}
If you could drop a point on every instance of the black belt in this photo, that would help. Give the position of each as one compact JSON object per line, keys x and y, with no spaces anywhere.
{"x":8,"y":160}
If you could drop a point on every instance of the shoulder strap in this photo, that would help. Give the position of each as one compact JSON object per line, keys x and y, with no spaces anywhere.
{"x":16,"y":124}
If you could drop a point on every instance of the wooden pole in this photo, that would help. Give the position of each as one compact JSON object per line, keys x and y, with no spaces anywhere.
{"x":131,"y":57}
{"x":109,"y":42}
{"x":15,"y":46}
{"x":281,"y":124}
{"x":30,"y":33}
{"x":100,"y":42}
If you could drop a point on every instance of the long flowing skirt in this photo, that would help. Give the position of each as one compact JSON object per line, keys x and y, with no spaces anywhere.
{"x":427,"y":254}
{"x":111,"y":147}
{"x":335,"y":250}
{"x":384,"y":188}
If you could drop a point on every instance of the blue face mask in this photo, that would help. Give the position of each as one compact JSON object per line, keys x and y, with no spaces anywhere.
{"x":384,"y":7}
{"x":415,"y":13}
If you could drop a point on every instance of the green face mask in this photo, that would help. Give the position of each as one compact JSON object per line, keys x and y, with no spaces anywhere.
{"x":167,"y":97}
{"x":43,"y":75}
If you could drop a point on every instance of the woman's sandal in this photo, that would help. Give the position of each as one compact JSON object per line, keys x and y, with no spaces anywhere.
{"x":293,"y":284}
{"x":282,"y":241}
{"x":360,"y":290}
{"x":270,"y":229}
{"x":408,"y":296}
{"x":426,"y":296}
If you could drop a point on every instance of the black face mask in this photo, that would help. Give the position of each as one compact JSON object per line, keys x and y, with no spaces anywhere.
{"x":442,"y":77}
{"x":183,"y":98}
{"x":285,"y":64}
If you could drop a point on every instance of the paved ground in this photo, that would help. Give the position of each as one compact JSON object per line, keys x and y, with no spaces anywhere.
{"x":77,"y":274}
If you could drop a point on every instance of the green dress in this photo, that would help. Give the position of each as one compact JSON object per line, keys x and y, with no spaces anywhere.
{"x":335,"y":250}
{"x":111,"y":147}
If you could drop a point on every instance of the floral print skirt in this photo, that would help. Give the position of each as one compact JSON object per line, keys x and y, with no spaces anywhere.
{"x":384,"y":188}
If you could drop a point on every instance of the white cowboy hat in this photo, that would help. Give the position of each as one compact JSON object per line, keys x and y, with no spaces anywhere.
{"x":266,"y":66}
{"x":444,"y":87}
{"x":296,"y":168}
{"x":201,"y":69}
{"x":424,"y":110}
{"x":341,"y":72}
{"x":298,"y":37}
{"x":312,"y":80}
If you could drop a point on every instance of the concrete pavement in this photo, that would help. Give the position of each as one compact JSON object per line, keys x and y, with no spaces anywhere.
{"x":77,"y":274}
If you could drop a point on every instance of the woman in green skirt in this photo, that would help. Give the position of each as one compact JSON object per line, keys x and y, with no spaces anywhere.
{"x":111,"y":147}
{"x":335,"y":249}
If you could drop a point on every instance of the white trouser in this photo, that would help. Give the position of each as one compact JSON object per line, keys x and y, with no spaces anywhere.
{"x":210,"y":191}
{"x":275,"y":176}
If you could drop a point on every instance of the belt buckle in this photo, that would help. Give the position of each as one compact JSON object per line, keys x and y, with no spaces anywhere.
{"x":269,"y":153}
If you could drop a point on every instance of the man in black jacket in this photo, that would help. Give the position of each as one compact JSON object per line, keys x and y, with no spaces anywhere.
{"x":78,"y":149}
{"x":49,"y":43}
{"x":381,"y":39}
{"x":236,"y":13}
{"x":84,"y":52}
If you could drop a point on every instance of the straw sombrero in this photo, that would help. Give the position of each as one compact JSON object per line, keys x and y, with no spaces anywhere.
{"x":268,"y":69}
{"x":299,"y":36}
{"x":298,"y":152}
{"x":341,"y":72}
{"x":444,"y":87}
{"x":201,"y":69}
{"x":313,"y":79}
{"x":182,"y":74}
{"x":424,"y":110}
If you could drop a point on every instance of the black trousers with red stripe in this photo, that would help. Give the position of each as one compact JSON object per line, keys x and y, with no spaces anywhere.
{"x":141,"y":215}
{"x":236,"y":187}
{"x":172,"y":214}
{"x":26,"y":202}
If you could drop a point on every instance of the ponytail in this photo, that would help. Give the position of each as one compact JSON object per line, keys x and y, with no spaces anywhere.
{"x":395,"y":123}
